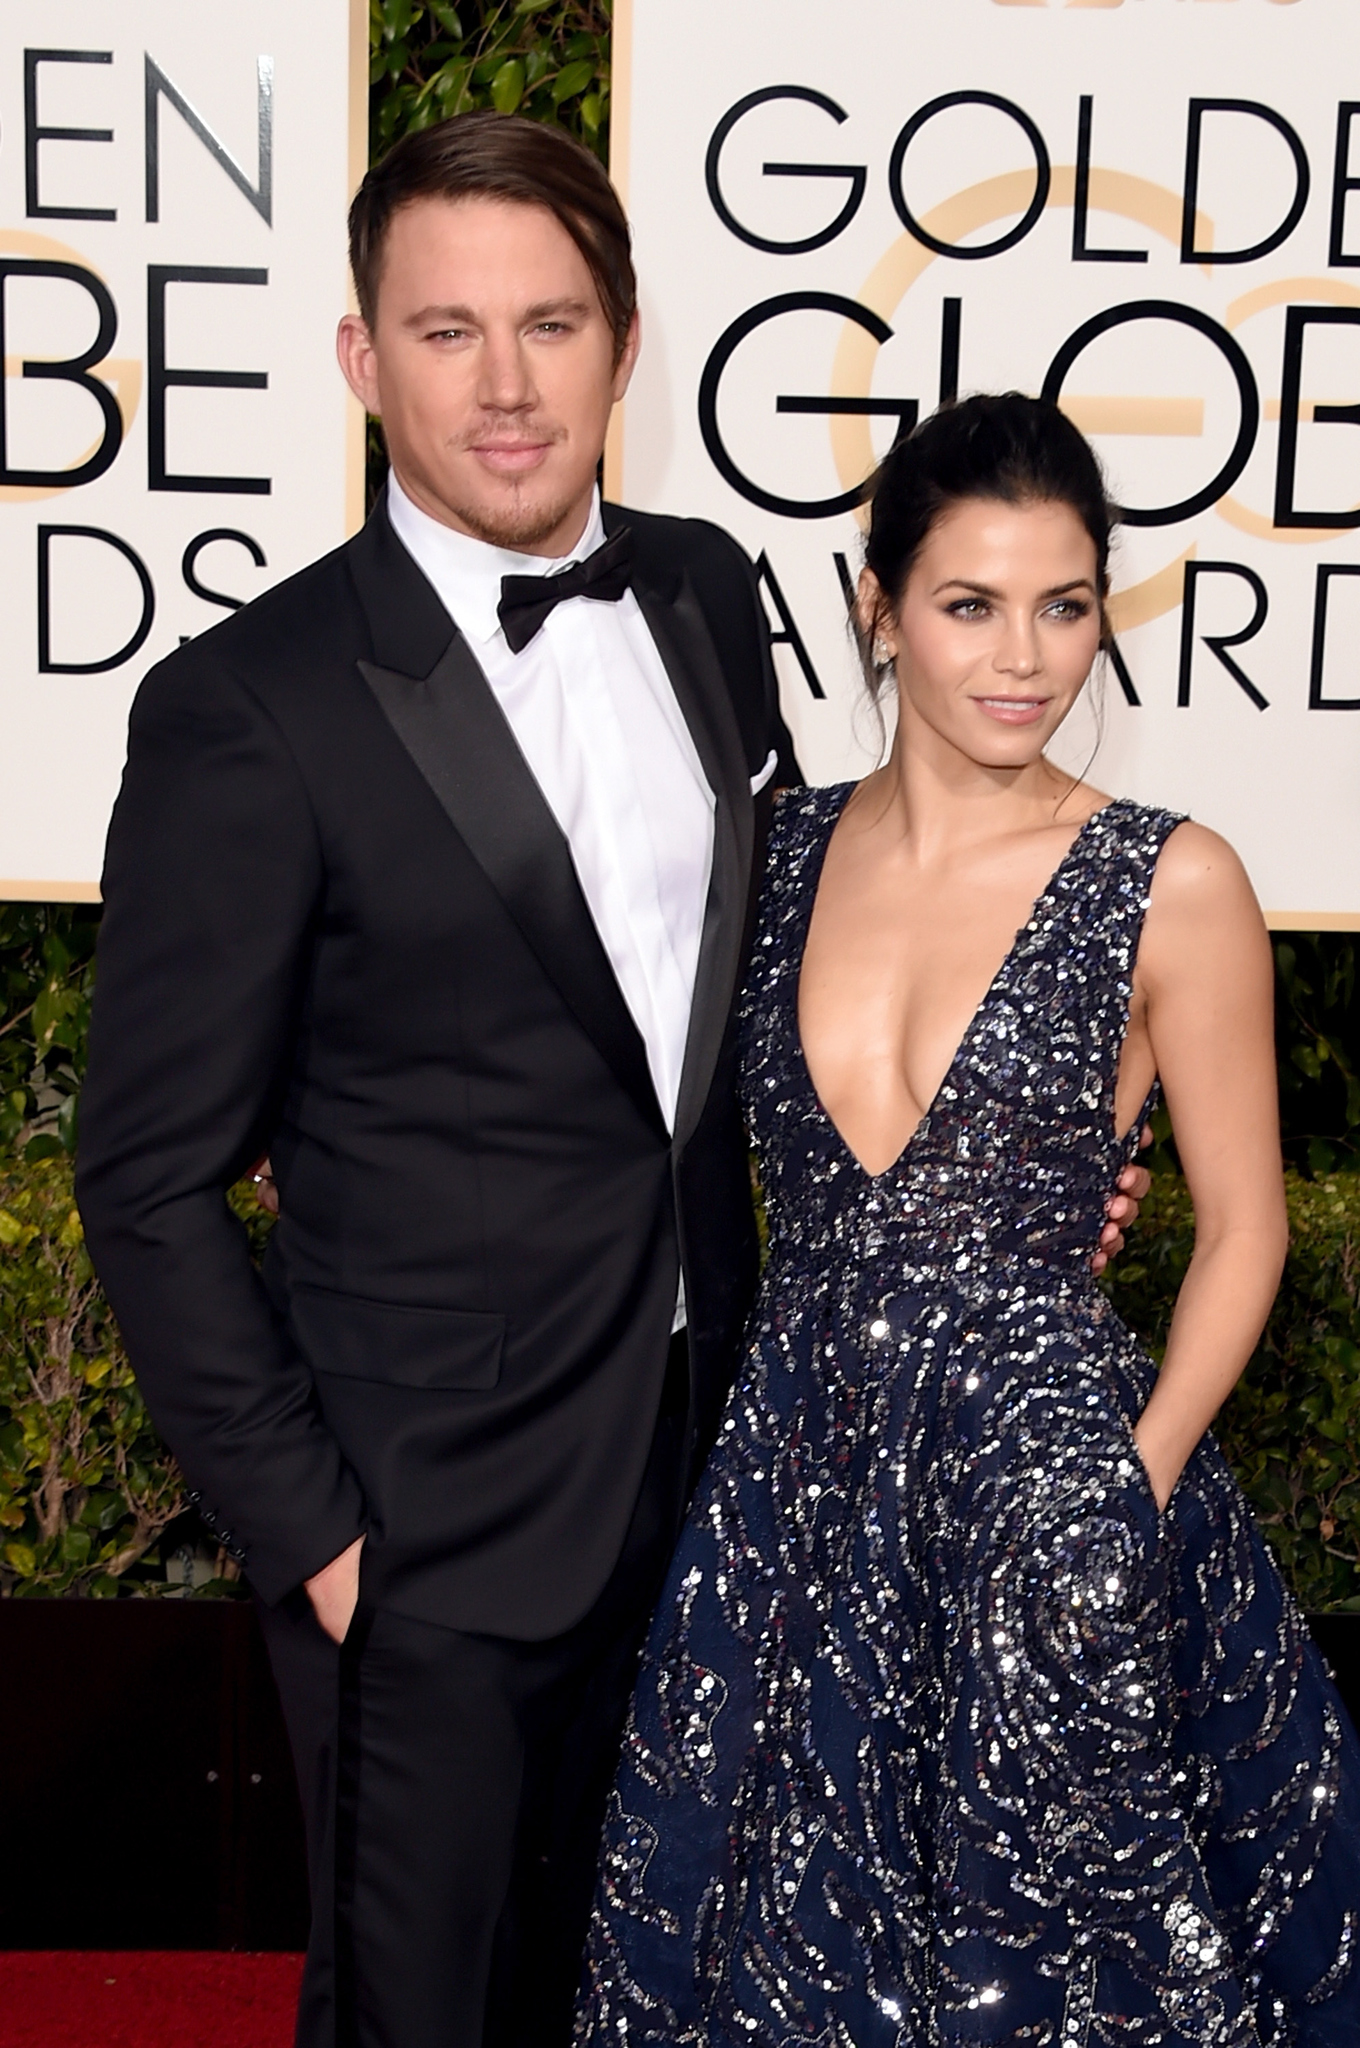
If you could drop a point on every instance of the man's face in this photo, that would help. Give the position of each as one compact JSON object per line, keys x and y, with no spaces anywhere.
{"x":492,"y":367}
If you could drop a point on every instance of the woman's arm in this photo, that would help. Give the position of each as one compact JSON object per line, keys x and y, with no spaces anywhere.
{"x":1206,"y":980}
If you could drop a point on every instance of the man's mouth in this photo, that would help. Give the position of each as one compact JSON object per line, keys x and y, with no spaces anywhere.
{"x":510,"y":458}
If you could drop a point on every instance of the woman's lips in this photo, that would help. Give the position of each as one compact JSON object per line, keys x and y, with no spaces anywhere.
{"x":1013,"y":710}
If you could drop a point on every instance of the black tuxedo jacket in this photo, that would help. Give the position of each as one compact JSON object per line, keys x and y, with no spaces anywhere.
{"x":342,"y":925}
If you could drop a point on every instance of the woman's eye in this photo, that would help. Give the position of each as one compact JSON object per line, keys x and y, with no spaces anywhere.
{"x":1070,"y":608}
{"x":968,"y":608}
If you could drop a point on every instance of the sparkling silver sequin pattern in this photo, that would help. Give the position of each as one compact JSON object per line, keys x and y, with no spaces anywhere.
{"x":945,"y":1736}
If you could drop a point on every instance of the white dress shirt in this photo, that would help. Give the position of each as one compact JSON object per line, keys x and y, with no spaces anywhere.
{"x":592,"y":709}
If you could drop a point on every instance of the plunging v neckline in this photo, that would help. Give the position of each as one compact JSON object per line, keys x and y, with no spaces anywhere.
{"x":923,"y":1122}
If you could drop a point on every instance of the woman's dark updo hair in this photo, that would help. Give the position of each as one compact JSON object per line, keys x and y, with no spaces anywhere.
{"x":1020,"y":450}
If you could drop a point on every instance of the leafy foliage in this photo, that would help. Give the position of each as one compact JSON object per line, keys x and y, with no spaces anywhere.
{"x":1317,"y":1056}
{"x":548,"y":59}
{"x":87,"y":1489}
{"x":1317,"y":1033}
{"x":46,"y":976}
{"x":1292,"y":1428}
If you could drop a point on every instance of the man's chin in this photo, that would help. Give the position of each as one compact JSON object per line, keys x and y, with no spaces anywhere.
{"x":521,"y":527}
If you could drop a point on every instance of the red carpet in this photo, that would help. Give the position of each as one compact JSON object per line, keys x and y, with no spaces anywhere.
{"x":72,"y":1999}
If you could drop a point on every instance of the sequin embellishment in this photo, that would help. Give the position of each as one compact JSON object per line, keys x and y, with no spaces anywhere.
{"x":945,"y":1737}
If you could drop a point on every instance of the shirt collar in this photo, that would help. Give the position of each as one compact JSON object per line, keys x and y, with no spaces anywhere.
{"x":466,"y":573}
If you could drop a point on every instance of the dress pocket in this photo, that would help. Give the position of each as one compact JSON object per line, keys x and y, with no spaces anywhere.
{"x":1135,"y":1473}
{"x":439,"y":1350}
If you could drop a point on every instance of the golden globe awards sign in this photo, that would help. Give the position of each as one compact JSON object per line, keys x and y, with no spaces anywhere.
{"x":173,"y":436}
{"x":1148,"y":210}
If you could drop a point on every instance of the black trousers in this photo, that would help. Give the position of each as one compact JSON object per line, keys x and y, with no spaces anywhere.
{"x":454,"y":1787}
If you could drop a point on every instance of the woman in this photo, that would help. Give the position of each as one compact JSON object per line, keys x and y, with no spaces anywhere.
{"x":975,"y":1711}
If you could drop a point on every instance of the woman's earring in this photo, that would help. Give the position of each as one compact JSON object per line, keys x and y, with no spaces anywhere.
{"x":884,"y":656}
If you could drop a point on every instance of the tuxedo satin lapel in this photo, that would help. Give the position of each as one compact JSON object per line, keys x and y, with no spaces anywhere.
{"x":406,"y":617}
{"x":455,"y":732}
{"x":686,"y":647}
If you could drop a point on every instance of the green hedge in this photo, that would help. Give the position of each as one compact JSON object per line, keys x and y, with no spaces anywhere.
{"x":548,"y":59}
{"x":85,"y":1488}
{"x":90,"y":1500}
{"x":1292,"y":1429}
{"x":46,"y":979}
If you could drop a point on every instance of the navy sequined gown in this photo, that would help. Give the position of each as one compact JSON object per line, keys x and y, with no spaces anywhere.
{"x":944,"y":1735}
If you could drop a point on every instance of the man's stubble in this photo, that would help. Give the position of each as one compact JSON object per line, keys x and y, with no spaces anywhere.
{"x":520,"y":521}
{"x":518,"y":528}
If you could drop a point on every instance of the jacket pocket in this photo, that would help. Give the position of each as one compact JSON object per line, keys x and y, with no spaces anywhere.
{"x":440,"y":1349}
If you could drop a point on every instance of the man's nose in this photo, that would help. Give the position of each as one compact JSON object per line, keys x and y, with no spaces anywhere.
{"x":504,"y":383}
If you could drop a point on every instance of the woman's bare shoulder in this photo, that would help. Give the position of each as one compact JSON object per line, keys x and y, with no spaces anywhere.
{"x":1200,"y":871}
{"x":1203,"y":911}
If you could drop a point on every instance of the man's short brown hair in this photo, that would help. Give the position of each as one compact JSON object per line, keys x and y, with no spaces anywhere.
{"x":498,"y":156}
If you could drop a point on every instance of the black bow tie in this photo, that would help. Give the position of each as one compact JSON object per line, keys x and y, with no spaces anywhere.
{"x":526,"y":601}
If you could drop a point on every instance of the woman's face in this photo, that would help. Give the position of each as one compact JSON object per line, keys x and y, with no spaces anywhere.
{"x":997,"y":630}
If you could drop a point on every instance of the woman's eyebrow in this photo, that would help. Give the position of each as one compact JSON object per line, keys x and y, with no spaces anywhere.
{"x":986,"y":590}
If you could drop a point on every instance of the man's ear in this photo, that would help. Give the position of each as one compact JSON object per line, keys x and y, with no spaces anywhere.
{"x":358,"y":361}
{"x":628,"y":355}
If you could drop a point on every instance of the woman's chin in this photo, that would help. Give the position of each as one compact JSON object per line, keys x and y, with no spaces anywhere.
{"x":1006,"y":750}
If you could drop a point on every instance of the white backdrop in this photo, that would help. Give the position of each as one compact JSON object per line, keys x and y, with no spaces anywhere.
{"x":790,"y":173}
{"x":185,"y":239}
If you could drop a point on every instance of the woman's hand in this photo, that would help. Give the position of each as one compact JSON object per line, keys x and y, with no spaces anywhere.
{"x":1121,"y":1211}
{"x":267,"y":1194}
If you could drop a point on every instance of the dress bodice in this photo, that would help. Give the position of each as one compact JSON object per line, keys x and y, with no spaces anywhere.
{"x":1003,"y":1182}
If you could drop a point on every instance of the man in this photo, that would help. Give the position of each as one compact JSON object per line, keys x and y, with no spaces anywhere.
{"x":430,"y":873}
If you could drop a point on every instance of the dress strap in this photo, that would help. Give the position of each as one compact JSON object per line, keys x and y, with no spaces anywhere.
{"x":1102,"y":893}
{"x":1083,"y":959}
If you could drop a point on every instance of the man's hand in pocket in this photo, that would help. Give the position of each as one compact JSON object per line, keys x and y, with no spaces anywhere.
{"x":334,"y":1591}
